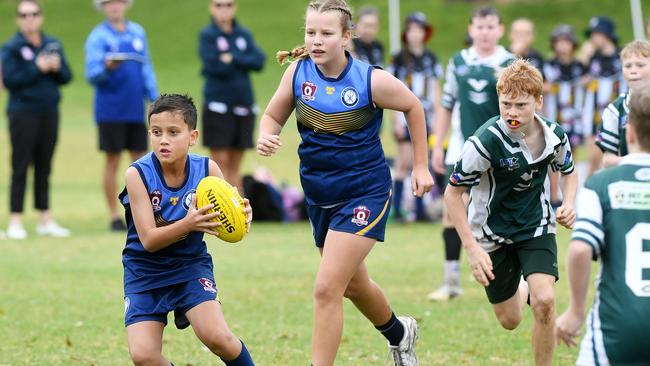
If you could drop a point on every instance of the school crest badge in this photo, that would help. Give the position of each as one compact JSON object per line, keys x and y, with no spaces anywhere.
{"x":308,"y":91}
{"x":361,"y":215}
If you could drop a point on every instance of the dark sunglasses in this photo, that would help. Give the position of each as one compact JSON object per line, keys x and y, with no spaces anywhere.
{"x":27,"y":15}
{"x":219,"y":5}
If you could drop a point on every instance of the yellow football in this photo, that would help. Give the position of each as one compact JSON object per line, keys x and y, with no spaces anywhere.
{"x":227,"y":201}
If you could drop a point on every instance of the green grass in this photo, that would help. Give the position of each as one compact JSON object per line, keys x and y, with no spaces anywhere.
{"x":61,"y":300}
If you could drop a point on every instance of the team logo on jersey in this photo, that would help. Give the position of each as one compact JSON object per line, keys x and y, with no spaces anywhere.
{"x":361,"y":215}
{"x":462,"y":70}
{"x":138,"y":44}
{"x":623,"y":121}
{"x":455,"y":178}
{"x":208,"y":285}
{"x":241,"y":43}
{"x":156,"y":200}
{"x":329,"y":90}
{"x":222,"y":44}
{"x":350,"y":96}
{"x":308,"y":90}
{"x":27,"y":53}
{"x":477,"y":85}
{"x":567,"y":158}
{"x":510,"y":163}
{"x":187,"y":199}
{"x":173,"y":200}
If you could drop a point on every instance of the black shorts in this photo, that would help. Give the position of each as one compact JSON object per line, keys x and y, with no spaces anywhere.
{"x":511,"y":261}
{"x":227,"y":131}
{"x":114,"y":137}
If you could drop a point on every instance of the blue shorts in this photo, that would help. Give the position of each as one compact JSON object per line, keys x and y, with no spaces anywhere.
{"x":153,"y":305}
{"x":363,"y":216}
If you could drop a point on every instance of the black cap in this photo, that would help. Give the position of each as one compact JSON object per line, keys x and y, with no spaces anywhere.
{"x":604,"y":25}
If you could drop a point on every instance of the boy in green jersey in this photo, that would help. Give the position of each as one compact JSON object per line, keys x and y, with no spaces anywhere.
{"x":635,"y":61}
{"x":614,"y":226}
{"x":470,"y":93}
{"x":509,"y":231}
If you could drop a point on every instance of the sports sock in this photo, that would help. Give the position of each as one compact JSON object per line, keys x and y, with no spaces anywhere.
{"x":419,"y":209}
{"x":398,"y":189}
{"x":452,"y":273}
{"x":244,"y":358}
{"x":393,"y":330}
{"x":452,"y":244}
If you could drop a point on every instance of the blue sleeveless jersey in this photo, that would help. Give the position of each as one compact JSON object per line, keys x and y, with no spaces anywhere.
{"x":184,"y":260}
{"x":341,"y":156}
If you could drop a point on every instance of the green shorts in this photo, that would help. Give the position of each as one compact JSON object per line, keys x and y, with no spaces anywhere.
{"x":509,"y":262}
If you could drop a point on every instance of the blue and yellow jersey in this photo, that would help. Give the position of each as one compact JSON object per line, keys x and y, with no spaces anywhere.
{"x":341,"y":156}
{"x":184,"y":260}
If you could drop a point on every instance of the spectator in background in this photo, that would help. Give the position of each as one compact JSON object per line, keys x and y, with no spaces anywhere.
{"x":366,"y":46}
{"x":522,"y":37}
{"x":470,"y":88}
{"x":228,"y":55}
{"x":34,"y":68}
{"x":564,"y":97}
{"x":419,"y":69}
{"x":606,"y":82}
{"x":119,"y":67}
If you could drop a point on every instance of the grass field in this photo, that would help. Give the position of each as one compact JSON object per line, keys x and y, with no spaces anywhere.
{"x":61,"y":300}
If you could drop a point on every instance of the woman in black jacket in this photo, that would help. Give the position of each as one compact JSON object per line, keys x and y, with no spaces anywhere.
{"x":34,"y":67}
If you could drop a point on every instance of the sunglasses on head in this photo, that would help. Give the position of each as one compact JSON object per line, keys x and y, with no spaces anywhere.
{"x":227,"y":5}
{"x":27,"y":15}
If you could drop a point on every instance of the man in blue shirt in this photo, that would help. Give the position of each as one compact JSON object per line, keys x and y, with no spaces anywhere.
{"x":119,"y":67}
{"x":228,"y":55}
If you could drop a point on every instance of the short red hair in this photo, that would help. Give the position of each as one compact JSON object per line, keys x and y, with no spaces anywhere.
{"x":520,"y":78}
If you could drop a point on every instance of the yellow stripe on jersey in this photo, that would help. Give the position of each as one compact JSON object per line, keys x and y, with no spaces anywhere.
{"x":381,"y":214}
{"x":336,"y":123}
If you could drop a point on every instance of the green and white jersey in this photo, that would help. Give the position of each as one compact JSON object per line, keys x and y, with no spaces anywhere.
{"x":613,"y":212}
{"x":611,"y":135}
{"x":470,"y":83}
{"x":508,"y":202}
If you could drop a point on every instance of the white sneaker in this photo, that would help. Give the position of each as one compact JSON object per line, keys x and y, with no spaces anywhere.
{"x":404,"y":353}
{"x":16,"y":232}
{"x":445,"y":293}
{"x":52,"y":229}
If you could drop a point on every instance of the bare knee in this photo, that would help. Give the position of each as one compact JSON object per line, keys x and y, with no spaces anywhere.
{"x":543,"y":306}
{"x":325,"y":292}
{"x":144,"y":356}
{"x":509,"y":319}
{"x":221,"y":342}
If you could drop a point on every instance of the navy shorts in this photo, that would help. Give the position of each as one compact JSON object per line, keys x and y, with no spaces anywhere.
{"x":115,"y":137}
{"x":153,"y":305}
{"x":363,"y":216}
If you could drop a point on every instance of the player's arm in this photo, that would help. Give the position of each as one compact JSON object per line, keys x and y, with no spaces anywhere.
{"x":479,"y":260}
{"x":155,"y":238}
{"x":609,"y":139}
{"x":565,"y":214}
{"x":568,"y":325}
{"x":276,"y":114}
{"x":389,"y":92}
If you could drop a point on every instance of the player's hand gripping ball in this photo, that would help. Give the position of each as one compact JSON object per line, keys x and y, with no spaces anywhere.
{"x":227,"y":201}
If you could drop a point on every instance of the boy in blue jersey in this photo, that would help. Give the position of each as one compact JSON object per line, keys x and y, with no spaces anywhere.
{"x":118,"y":66}
{"x":345,"y":177}
{"x":508,"y":230}
{"x":614,"y":226}
{"x":166,"y":263}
